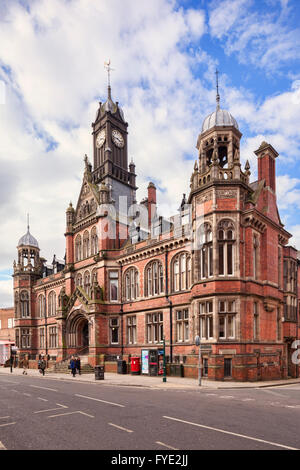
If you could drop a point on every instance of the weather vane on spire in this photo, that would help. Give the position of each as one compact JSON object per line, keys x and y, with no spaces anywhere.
{"x":109,"y":69}
{"x":217,"y":84}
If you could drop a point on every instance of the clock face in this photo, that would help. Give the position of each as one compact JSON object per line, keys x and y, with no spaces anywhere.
{"x":100,"y":138}
{"x":117,"y":138}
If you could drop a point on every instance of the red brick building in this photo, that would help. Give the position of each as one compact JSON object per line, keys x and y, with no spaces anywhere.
{"x":221,"y":268}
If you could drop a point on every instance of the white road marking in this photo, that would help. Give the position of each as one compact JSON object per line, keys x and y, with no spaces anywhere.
{"x":232,"y":433}
{"x":227,"y":396}
{"x":71,"y":413}
{"x":44,"y":388}
{"x":16,"y":391}
{"x":52,"y":409}
{"x":2,"y":446}
{"x":120,"y":427}
{"x":43,"y":399}
{"x":211,"y":394}
{"x":102,"y":401}
{"x":6,"y":424}
{"x":273,"y":393}
{"x":248,"y":399}
{"x":4,"y":417}
{"x":166,"y":445}
{"x":27,"y":394}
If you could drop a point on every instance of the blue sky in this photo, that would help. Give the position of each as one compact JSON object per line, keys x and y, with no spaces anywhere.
{"x":164,"y":54}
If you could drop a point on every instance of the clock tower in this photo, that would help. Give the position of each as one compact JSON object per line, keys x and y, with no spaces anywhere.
{"x":111,"y":152}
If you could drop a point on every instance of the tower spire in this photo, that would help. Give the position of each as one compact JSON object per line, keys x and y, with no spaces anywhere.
{"x":109,"y":69}
{"x":217,"y":86}
{"x":28,"y":222}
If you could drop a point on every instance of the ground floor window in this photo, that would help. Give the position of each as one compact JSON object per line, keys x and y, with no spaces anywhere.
{"x":25,"y":338}
{"x":206,"y":323}
{"x":227,"y":319}
{"x":131,"y":330}
{"x":154,"y":327}
{"x":42,"y":338}
{"x":182,"y":325}
{"x":114,"y":330}
{"x":53,"y":337}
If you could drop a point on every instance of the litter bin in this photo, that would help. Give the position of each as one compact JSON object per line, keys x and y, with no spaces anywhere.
{"x":99,"y":372}
{"x":122,"y":367}
{"x":135,"y":366}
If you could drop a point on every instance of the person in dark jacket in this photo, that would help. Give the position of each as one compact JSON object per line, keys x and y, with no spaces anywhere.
{"x":73,"y":366}
{"x":77,"y":360}
{"x":42,"y":365}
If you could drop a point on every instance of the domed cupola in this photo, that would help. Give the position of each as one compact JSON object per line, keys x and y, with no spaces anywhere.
{"x":220,"y":117}
{"x":28,"y":240}
{"x":219,"y":140}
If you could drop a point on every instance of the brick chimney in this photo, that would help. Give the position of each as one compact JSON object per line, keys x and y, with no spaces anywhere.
{"x":151,"y":202}
{"x":266,"y":155}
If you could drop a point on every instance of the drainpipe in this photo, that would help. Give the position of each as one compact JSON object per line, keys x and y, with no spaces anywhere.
{"x":46,"y":334}
{"x":121,"y":311}
{"x":170,"y":307}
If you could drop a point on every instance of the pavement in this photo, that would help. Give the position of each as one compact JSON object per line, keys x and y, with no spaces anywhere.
{"x":145,"y":381}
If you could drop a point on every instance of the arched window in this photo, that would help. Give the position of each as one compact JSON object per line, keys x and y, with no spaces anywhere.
{"x":94,"y":276}
{"x":86,"y":244}
{"x":255,"y":257}
{"x":17,"y":306}
{"x":78,"y":280}
{"x":24,"y":304}
{"x":181,"y":272}
{"x":41,"y":305}
{"x":94,"y":241}
{"x":87,"y":282}
{"x":225,"y":234}
{"x":78,"y":248}
{"x":205,"y":251}
{"x":154,"y":279}
{"x":131,"y":283}
{"x":52,"y":304}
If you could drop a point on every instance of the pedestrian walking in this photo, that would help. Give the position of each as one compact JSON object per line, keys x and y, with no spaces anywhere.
{"x":77,"y":360}
{"x":42,"y":365}
{"x":25,"y":365}
{"x":73,"y":366}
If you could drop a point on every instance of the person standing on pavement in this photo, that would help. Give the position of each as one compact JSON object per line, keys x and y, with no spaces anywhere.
{"x":25,"y":365}
{"x":73,"y":366}
{"x":77,"y":360}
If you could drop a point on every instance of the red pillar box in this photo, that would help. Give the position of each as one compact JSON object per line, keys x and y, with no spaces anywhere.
{"x":135,"y":366}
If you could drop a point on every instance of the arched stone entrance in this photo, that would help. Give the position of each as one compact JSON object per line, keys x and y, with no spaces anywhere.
{"x":77,"y":330}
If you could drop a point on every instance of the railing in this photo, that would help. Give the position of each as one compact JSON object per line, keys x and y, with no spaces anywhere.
{"x":77,"y":353}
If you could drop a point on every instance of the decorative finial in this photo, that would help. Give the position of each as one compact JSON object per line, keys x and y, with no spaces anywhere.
{"x":28,"y":222}
{"x":109,"y":69}
{"x":217,"y":85}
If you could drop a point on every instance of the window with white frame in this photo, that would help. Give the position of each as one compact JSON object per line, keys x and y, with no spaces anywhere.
{"x":78,"y":248}
{"x":182,"y":325}
{"x":41,"y":306}
{"x":131,"y":329}
{"x":131,"y":278}
{"x":154,"y":279}
{"x":206,"y":323}
{"x":154,"y":327}
{"x":10,"y":323}
{"x":113,"y":286}
{"x":114,"y":330}
{"x":227,"y":319}
{"x":181,"y":272}
{"x":225,"y":234}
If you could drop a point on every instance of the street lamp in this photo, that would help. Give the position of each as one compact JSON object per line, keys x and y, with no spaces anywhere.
{"x":164,"y":359}
{"x":198,"y":343}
